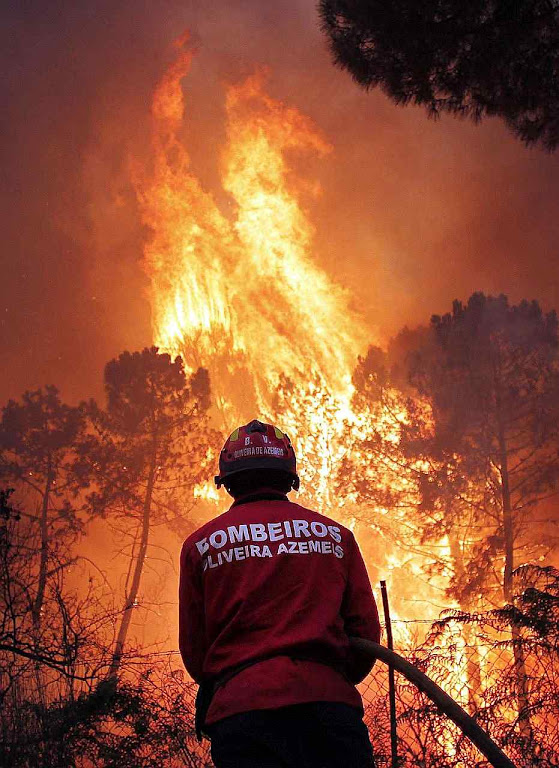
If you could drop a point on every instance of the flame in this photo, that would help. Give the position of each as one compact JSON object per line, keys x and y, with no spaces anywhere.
{"x":299,"y":313}
{"x":243,"y":296}
{"x":188,"y":235}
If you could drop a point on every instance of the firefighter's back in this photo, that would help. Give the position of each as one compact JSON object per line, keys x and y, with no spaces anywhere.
{"x":270,"y":593}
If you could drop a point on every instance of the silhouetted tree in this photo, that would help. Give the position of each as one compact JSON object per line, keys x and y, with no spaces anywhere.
{"x":492,"y":379}
{"x":56,"y":631}
{"x":48,"y":633}
{"x":38,"y":439}
{"x":384,"y":478}
{"x":478,"y":58}
{"x":463,"y":443}
{"x":22,"y":636}
{"x":147,"y":451}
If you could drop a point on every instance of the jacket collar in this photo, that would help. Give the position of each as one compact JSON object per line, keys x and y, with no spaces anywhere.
{"x":263,"y":494}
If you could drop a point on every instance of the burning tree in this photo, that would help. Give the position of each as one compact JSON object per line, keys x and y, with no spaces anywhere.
{"x":459,"y":457}
{"x":242,"y":295}
{"x":490,"y":372}
{"x":535,"y":614}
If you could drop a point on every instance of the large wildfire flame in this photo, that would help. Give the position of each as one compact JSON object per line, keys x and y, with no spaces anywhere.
{"x":243,"y":296}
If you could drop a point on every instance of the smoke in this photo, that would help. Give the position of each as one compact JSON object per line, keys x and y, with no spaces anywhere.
{"x":413,"y":213}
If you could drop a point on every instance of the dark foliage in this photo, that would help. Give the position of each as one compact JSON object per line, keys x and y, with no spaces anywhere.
{"x":38,"y":621}
{"x":144,"y":723}
{"x":490,"y":373}
{"x":474,"y":59}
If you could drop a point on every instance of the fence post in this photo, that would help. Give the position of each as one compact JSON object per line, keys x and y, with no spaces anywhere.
{"x":442,"y":700}
{"x":391,"y":684}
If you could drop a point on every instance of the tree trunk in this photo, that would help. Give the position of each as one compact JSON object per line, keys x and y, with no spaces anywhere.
{"x":132,"y":596}
{"x":37,"y":607}
{"x":43,"y":564}
{"x":521,"y":677}
{"x":473,"y":671}
{"x":522,"y":689}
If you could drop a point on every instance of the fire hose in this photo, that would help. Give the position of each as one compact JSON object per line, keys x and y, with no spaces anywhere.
{"x":440,"y":699}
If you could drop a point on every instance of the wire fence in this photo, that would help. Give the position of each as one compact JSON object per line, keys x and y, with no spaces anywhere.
{"x":513,"y":694}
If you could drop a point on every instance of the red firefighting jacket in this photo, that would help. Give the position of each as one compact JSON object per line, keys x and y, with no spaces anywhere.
{"x":282,"y":587}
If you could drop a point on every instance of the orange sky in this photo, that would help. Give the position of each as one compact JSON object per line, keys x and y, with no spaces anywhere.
{"x":413,"y":213}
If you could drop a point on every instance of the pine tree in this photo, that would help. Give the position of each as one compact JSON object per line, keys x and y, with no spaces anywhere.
{"x":147,"y":450}
{"x":491,"y":375}
{"x":474,"y":59}
{"x":38,"y":439}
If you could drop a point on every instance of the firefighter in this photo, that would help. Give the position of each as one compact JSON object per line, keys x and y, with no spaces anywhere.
{"x":270,"y":593}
